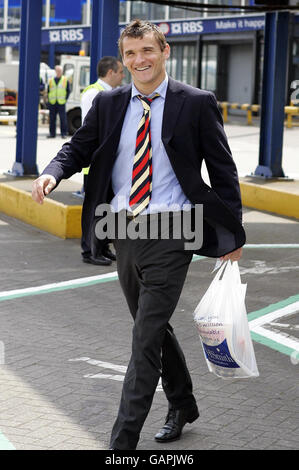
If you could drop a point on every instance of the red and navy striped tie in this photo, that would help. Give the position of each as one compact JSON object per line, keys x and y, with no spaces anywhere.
{"x":141,"y":189}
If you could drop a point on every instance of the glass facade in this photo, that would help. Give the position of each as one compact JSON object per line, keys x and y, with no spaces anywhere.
{"x":1,"y":14}
{"x":175,"y":13}
{"x":14,"y":14}
{"x":122,"y":12}
{"x":182,"y":64}
{"x":140,"y":10}
{"x":295,"y":68}
{"x":68,"y":12}
{"x":209,"y":67}
{"x":147,"y":11}
{"x":226,"y":11}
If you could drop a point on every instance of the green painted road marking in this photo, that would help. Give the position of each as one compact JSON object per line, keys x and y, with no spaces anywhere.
{"x":273,"y":307}
{"x":89,"y":281}
{"x":259,"y":334}
{"x":274,"y":340}
{"x":65,"y":285}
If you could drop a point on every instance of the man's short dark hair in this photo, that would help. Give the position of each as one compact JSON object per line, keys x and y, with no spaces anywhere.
{"x":137,"y":29}
{"x":105,"y":64}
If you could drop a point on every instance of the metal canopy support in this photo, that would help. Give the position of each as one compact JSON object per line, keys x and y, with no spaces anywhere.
{"x":273,"y":95}
{"x":104,"y":32}
{"x":28,"y":91}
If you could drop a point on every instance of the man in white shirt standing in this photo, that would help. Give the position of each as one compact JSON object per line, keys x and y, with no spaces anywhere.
{"x":111,"y":73}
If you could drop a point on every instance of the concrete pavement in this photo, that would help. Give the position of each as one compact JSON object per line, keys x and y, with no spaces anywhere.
{"x":65,"y":332}
{"x":65,"y":346}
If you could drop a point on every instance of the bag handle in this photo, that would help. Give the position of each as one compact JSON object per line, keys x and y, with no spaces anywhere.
{"x":220,"y":271}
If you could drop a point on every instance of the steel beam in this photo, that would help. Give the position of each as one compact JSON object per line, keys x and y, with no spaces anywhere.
{"x":28,"y":90}
{"x":104,"y":32}
{"x":273,"y":95}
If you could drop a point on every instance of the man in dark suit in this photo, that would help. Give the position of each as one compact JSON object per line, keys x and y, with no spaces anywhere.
{"x":176,"y":127}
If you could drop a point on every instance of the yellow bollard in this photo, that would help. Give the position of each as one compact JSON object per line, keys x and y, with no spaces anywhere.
{"x":223,"y":105}
{"x":246,"y":107}
{"x":290,"y":111}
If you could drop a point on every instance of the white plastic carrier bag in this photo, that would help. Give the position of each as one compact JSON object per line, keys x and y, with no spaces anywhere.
{"x":222,"y":324}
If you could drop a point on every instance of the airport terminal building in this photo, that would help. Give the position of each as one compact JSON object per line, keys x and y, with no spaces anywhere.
{"x":218,"y":50}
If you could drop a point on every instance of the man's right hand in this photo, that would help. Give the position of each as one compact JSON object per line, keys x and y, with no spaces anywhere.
{"x":42,"y":186}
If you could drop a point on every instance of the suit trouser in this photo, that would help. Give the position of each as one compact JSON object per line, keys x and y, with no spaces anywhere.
{"x":55,"y":109}
{"x":152,"y":275}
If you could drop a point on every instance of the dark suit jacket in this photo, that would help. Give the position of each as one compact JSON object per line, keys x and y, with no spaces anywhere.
{"x":192,"y":130}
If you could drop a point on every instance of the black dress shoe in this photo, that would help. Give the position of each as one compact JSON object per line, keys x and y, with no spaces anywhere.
{"x":98,"y":261}
{"x":51,"y":136}
{"x":108,"y":253}
{"x":175,"y":421}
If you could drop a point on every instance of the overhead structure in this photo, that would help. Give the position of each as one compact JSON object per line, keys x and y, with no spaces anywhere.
{"x":103,"y":42}
{"x":273,"y":95}
{"x":28,"y":89}
{"x":104,"y":35}
{"x":104,"y":32}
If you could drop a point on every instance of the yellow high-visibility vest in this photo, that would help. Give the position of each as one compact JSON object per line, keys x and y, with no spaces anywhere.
{"x":93,"y":85}
{"x":57,"y":93}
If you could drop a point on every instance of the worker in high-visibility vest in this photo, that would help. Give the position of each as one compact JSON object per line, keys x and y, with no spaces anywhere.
{"x":111,"y":73}
{"x":58,"y":93}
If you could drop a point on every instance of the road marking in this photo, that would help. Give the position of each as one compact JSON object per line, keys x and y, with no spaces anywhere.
{"x":105,"y":365}
{"x":286,"y":347}
{"x":108,"y":365}
{"x":277,"y":341}
{"x":58,"y":286}
{"x":92,"y":280}
{"x":65,"y":285}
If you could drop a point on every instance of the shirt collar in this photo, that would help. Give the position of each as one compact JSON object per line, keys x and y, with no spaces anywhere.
{"x":161,"y":89}
{"x":104,"y":84}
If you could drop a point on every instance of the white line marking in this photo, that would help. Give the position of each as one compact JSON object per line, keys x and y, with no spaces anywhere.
{"x":269,"y":317}
{"x":108,"y":276}
{"x":56,"y":285}
{"x":107,"y":365}
{"x":119,"y":378}
{"x":278,"y":338}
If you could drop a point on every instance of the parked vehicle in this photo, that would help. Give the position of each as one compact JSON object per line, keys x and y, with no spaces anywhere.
{"x":77,"y":71}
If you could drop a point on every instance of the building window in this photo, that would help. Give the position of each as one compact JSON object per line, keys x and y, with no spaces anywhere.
{"x":182,"y":64}
{"x":209,"y":67}
{"x":157,"y":12}
{"x":67,"y":12}
{"x":234,"y":4}
{"x":1,"y":14}
{"x":84,"y":76}
{"x":183,"y":13}
{"x":122,"y":11}
{"x":139,"y":10}
{"x":68,"y":71}
{"x":294,"y":91}
{"x":14,"y":14}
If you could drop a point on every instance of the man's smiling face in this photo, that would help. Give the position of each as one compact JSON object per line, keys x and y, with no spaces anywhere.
{"x":145,"y":61}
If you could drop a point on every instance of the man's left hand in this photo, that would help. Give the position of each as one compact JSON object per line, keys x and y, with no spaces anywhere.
{"x":233,"y":256}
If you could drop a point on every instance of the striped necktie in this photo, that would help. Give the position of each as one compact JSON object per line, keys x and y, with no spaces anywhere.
{"x":141,"y":189}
